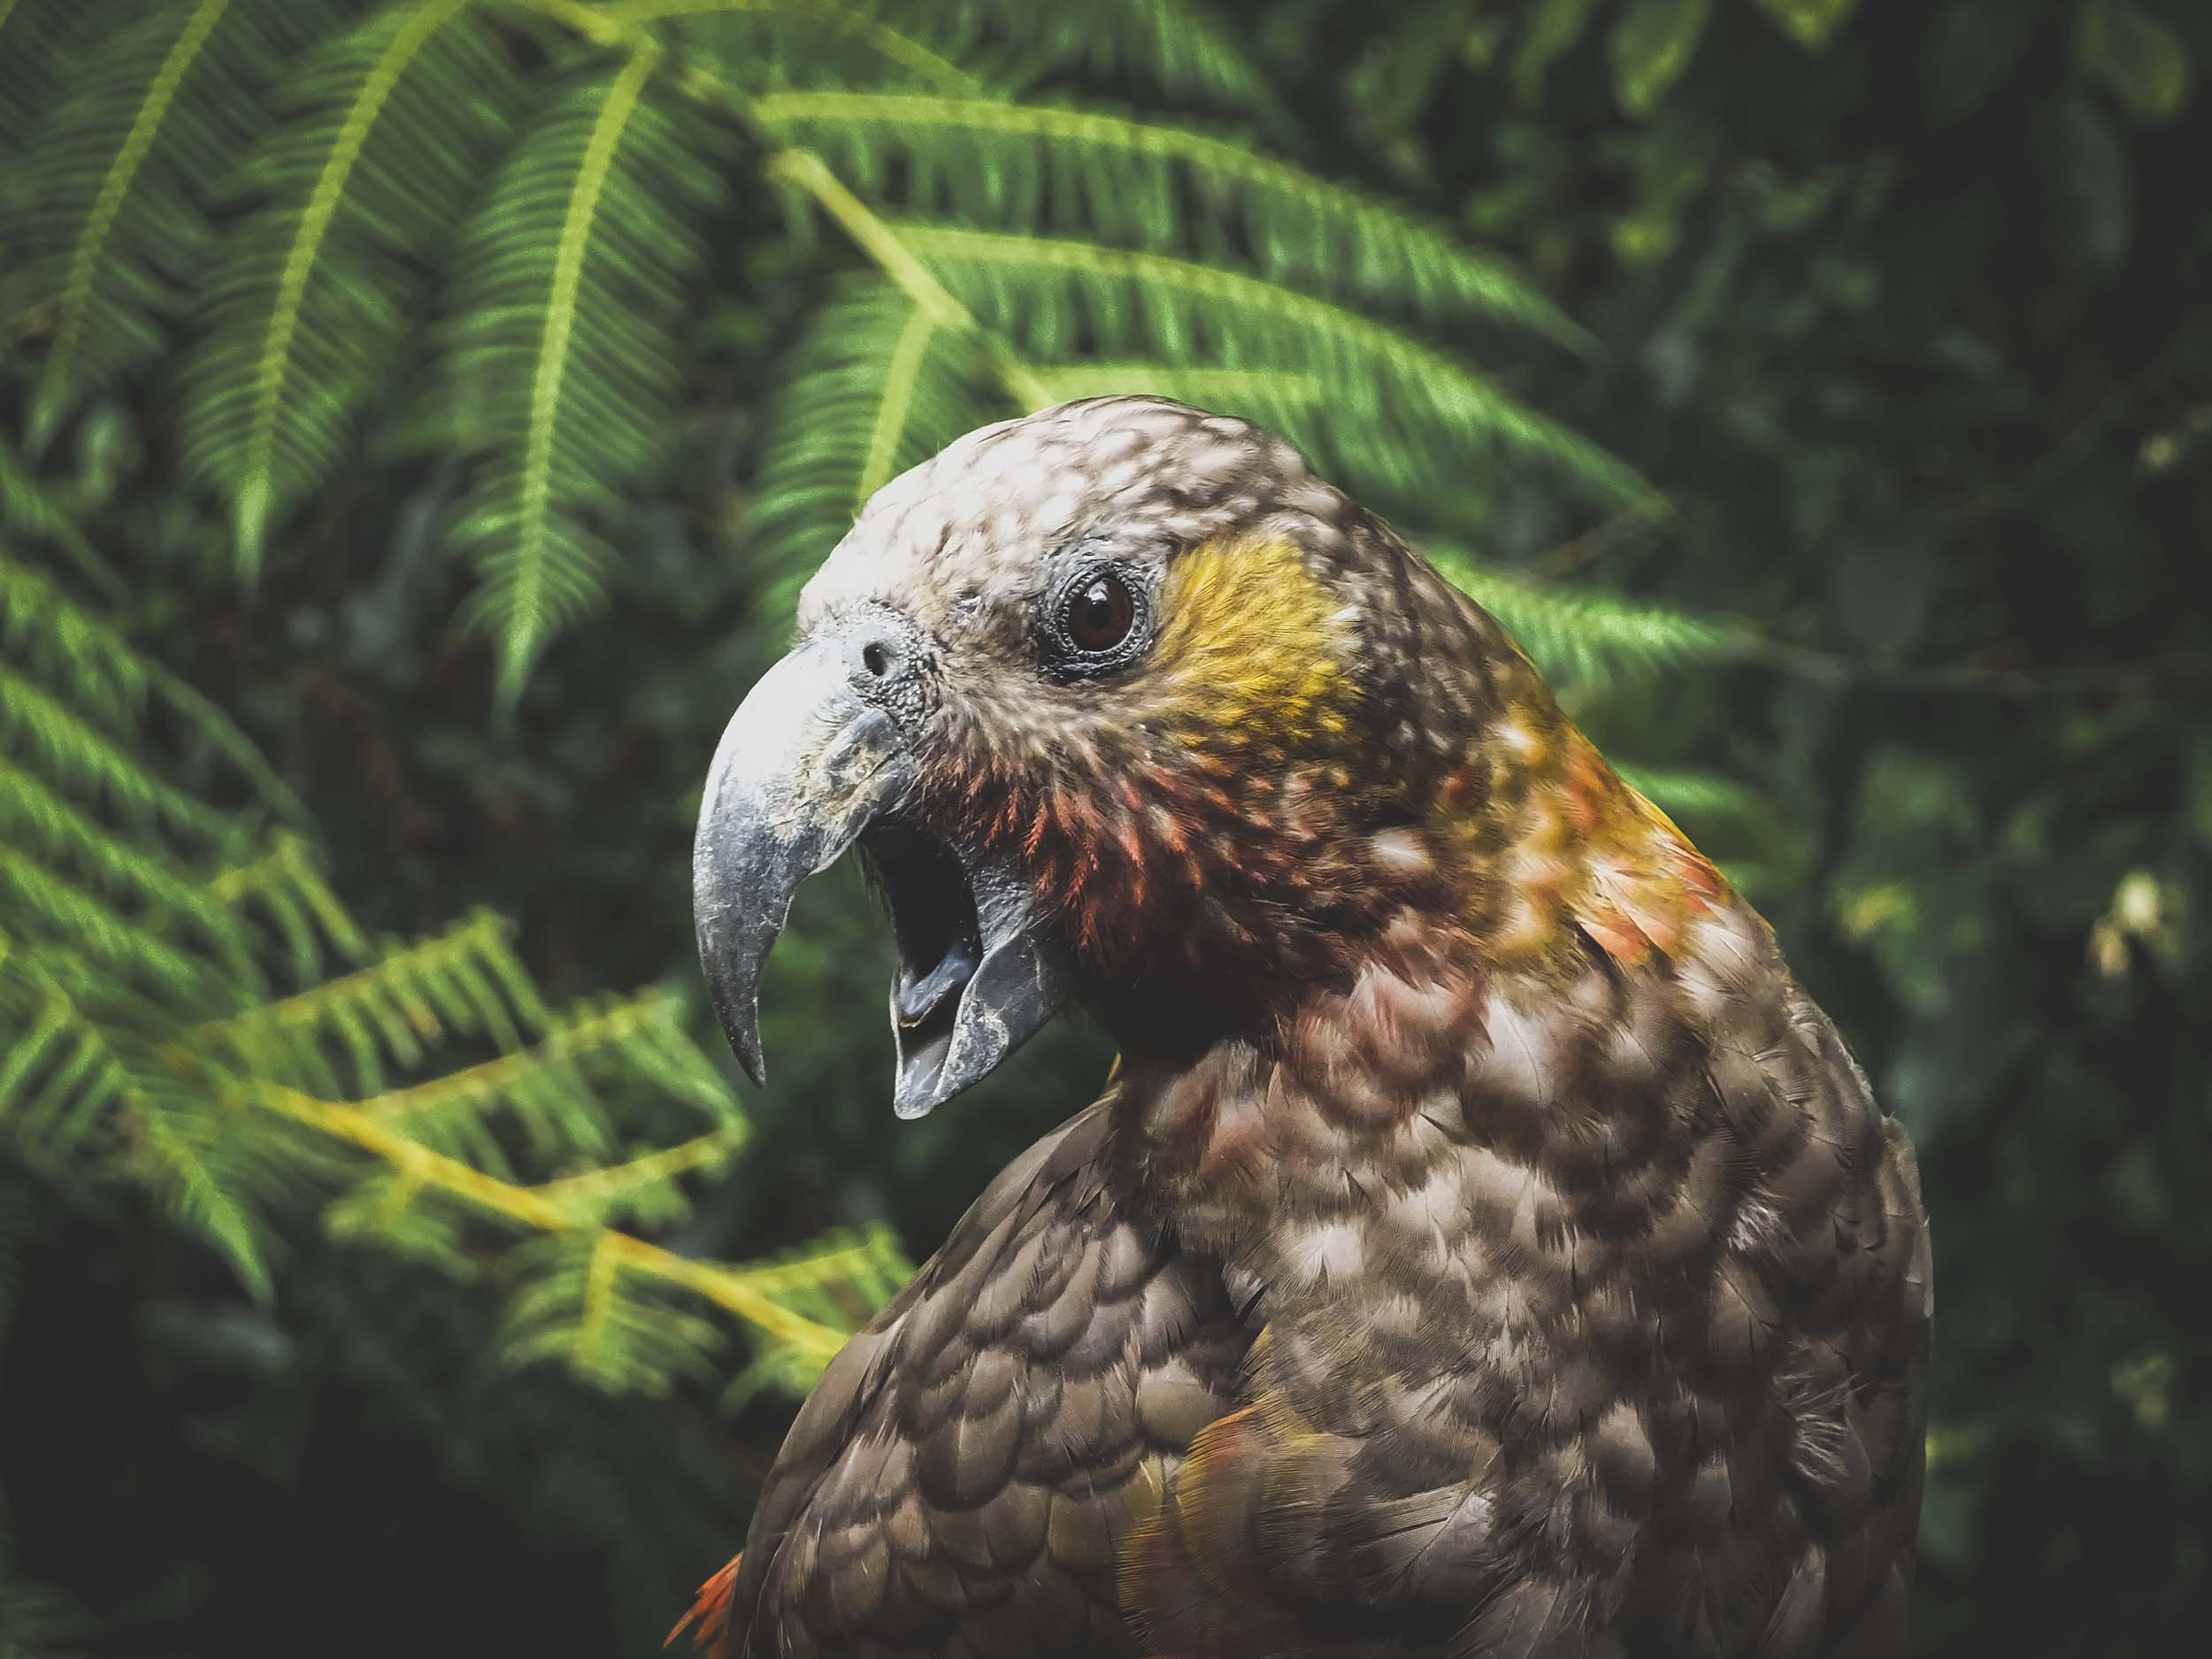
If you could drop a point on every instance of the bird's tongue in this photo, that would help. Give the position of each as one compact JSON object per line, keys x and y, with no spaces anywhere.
{"x":919,"y":991}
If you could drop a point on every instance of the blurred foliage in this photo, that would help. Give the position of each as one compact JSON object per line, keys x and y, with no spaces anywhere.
{"x":418,"y":416}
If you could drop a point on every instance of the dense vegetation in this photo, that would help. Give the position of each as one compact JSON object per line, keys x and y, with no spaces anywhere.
{"x":415,"y":416}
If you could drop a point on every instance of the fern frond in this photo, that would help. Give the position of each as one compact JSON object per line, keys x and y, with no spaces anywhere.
{"x":48,"y":906}
{"x":73,"y":1087}
{"x":389,"y":127}
{"x":573,"y":277}
{"x":1207,"y":389}
{"x":27,"y":509}
{"x":841,"y":424}
{"x":117,"y":223}
{"x":1397,"y":411}
{"x":180,"y":1151}
{"x":139,"y":1041}
{"x":64,"y":646}
{"x":801,"y":1344}
{"x":35,"y":820}
{"x":840,"y":1280}
{"x":37,"y":44}
{"x":1705,"y":796}
{"x":74,"y":753}
{"x":281,"y":899}
{"x":644,"y":1191}
{"x":760,"y":43}
{"x":69,"y":648}
{"x":544,"y":1090}
{"x":1162,"y":188}
{"x":579,"y":1303}
{"x":1169,"y":45}
{"x":1586,"y":636}
{"x":388,"y":1015}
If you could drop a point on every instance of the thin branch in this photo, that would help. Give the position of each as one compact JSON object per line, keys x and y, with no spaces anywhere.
{"x":491,"y":1077}
{"x":728,"y":1288}
{"x":582,"y":1193}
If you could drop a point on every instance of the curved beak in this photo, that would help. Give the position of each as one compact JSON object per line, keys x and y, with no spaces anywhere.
{"x":808,"y":767}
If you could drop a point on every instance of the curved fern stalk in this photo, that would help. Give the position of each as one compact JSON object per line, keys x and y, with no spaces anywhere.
{"x":645,"y":1191}
{"x":116,"y":226}
{"x":391,"y":127}
{"x":1399,"y":418}
{"x":597,"y":1299}
{"x":1166,"y":189}
{"x":572,"y":280}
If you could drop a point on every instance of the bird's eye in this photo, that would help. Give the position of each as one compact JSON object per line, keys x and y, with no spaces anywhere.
{"x":1098,"y":621}
{"x":1098,"y":614}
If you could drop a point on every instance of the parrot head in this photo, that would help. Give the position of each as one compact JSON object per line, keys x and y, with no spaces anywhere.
{"x":1120,"y":705}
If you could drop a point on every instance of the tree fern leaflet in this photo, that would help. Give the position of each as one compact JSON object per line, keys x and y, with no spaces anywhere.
{"x":254,"y":492}
{"x":76,"y":292}
{"x":524,"y":621}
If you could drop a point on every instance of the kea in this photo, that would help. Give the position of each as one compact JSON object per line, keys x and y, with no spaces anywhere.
{"x":1482,"y":1245}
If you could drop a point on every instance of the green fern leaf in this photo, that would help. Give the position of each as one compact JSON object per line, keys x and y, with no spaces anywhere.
{"x":1585,"y":636}
{"x":1167,"y":189}
{"x":76,"y":755}
{"x":115,"y":223}
{"x":388,"y":129}
{"x":841,"y":425}
{"x":579,"y":1304}
{"x":1704,"y":798}
{"x":573,"y":277}
{"x":178,"y":1150}
{"x":186,"y":33}
{"x":1398,"y":412}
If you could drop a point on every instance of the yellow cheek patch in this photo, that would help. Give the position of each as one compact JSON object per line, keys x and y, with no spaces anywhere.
{"x":1251,"y":646}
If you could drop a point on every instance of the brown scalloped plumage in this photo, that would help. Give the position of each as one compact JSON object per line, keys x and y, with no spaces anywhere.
{"x":1484,"y":1247}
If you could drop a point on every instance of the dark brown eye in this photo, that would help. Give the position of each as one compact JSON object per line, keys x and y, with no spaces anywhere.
{"x":1099,"y":614}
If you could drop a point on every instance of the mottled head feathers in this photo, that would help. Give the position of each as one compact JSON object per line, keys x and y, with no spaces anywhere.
{"x":1314,"y":736}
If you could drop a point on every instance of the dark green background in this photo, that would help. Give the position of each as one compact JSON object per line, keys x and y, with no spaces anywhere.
{"x":1914,"y":332}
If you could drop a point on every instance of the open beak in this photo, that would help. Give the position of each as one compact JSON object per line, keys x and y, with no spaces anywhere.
{"x":810,"y":765}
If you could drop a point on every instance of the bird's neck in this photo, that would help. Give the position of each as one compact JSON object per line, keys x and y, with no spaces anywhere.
{"x":1537,"y":905}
